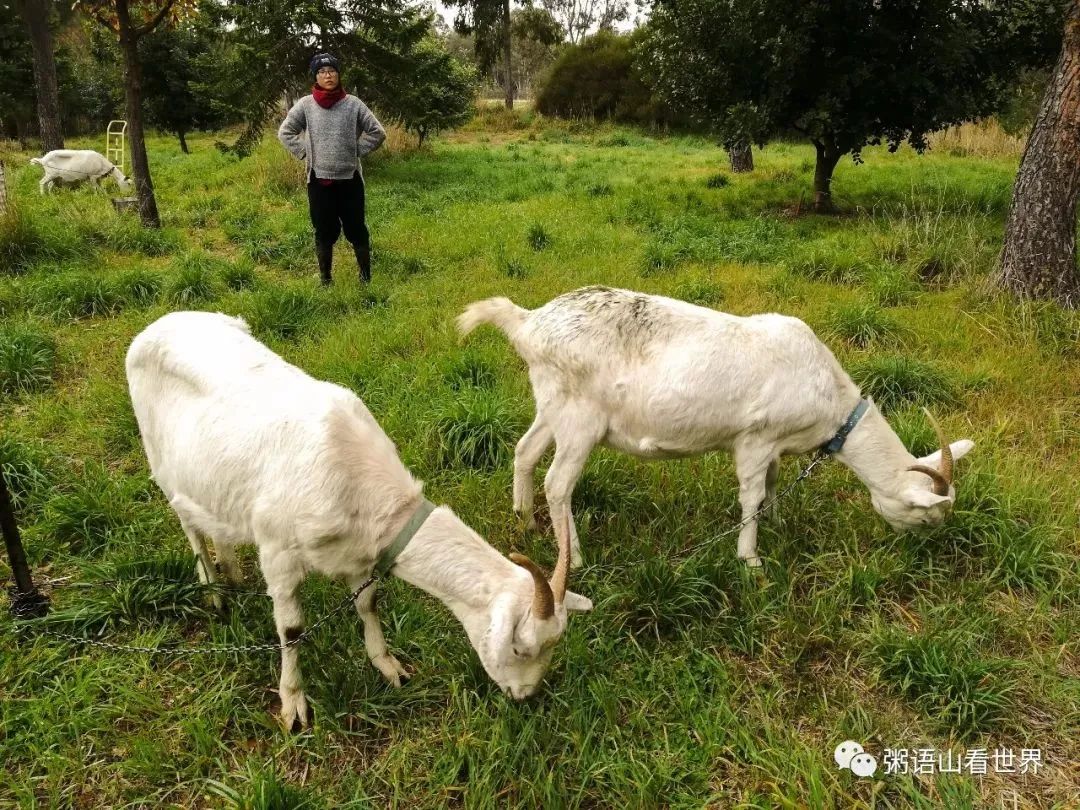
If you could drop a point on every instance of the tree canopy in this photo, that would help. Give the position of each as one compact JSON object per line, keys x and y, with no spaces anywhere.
{"x":843,"y":73}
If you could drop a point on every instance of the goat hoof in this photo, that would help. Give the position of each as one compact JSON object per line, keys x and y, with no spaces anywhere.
{"x":528,"y":522}
{"x":392,"y":670}
{"x":296,"y":715}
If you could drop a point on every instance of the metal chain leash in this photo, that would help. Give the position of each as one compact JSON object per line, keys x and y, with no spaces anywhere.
{"x":221,"y":648}
{"x":802,"y":476}
{"x":268,"y":647}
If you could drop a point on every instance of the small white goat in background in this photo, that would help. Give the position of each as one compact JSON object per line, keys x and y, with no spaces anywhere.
{"x":77,"y":166}
{"x":250,"y":449}
{"x":660,"y":378}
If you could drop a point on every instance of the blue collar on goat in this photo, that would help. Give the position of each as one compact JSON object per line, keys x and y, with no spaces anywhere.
{"x":388,"y":556}
{"x":836,"y":442}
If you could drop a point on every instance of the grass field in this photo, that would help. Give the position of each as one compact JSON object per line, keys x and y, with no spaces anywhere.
{"x":693,"y":682}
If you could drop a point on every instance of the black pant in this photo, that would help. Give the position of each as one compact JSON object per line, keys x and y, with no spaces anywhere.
{"x":336,"y":207}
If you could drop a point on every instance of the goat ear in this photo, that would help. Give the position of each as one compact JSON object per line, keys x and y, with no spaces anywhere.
{"x":576,"y":603}
{"x":924,"y":498}
{"x":959,"y":450}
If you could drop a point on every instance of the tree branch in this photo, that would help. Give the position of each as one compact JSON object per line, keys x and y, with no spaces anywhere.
{"x":154,"y":21}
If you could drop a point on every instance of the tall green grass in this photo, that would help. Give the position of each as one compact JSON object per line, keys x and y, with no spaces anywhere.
{"x":694,"y":682}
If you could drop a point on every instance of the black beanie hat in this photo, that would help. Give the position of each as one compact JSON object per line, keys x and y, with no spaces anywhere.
{"x":321,"y":60}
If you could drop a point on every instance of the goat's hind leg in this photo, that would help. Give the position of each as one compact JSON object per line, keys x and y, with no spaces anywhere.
{"x":195,"y":522}
{"x":530,"y":448}
{"x":204,"y":566}
{"x":772,"y":475}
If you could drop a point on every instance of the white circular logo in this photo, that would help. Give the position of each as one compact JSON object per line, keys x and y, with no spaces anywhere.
{"x":845,"y":751}
{"x":863,"y":765}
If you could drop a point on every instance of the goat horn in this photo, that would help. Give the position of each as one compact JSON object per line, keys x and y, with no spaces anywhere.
{"x":941,"y":486}
{"x":946,"y":466}
{"x":543,"y":601}
{"x":562,"y":566}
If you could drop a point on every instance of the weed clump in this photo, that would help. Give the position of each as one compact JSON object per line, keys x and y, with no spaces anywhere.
{"x":27,"y":360}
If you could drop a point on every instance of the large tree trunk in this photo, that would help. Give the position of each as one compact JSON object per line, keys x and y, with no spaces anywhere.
{"x":828,"y":155}
{"x":36,"y":15}
{"x":1039,"y":256}
{"x":140,"y":165}
{"x":508,"y":77}
{"x":741,"y":157}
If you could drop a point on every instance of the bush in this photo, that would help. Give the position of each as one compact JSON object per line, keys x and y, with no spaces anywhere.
{"x":893,"y":288}
{"x":863,"y":325}
{"x":240,"y":276}
{"x":538,"y":238}
{"x":195,"y":283}
{"x":284,"y":312}
{"x":139,"y":287}
{"x":702,"y":292}
{"x":24,"y":242}
{"x":476,"y":430}
{"x":896,"y":381}
{"x":597,"y":78}
{"x":74,"y":296}
{"x":943,"y":675}
{"x":26,"y":361}
{"x":98,"y":510}
{"x":25,"y":471}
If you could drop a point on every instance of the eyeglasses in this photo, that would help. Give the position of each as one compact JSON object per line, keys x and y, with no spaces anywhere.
{"x":327,"y":72}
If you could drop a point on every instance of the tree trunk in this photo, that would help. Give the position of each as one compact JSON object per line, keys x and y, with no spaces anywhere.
{"x":1038,"y":259}
{"x":828,"y":155}
{"x":183,"y":142}
{"x":36,"y":15}
{"x":508,"y":77}
{"x":741,"y":157}
{"x":140,"y":165}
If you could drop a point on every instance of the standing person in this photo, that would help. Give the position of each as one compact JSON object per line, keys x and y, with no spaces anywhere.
{"x":340,"y":129}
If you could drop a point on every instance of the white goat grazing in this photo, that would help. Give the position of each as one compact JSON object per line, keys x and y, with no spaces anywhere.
{"x":76,"y":166}
{"x":250,"y":449}
{"x":661,"y":378}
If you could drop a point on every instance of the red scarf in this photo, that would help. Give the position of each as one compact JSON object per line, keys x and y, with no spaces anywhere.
{"x":327,"y":98}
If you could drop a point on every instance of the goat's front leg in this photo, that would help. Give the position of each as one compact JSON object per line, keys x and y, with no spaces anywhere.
{"x":374,"y":640}
{"x":752,"y":463}
{"x":283,"y":576}
{"x":571,"y":453}
{"x":527,"y":455}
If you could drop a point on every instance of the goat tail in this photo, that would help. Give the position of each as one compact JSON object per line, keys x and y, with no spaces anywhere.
{"x":499,"y":312}
{"x":36,"y":160}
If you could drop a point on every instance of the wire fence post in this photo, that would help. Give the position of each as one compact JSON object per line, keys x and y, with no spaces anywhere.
{"x":26,"y":601}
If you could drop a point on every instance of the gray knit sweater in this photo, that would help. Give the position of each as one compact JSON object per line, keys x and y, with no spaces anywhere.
{"x":335,"y":138}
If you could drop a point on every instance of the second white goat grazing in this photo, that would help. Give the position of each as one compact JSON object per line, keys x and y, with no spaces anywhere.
{"x":77,"y":166}
{"x":250,"y":449}
{"x":660,"y":378}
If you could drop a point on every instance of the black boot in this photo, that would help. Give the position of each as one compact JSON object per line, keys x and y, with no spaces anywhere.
{"x":325,"y":253}
{"x":363,"y":261}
